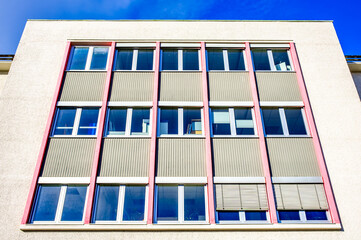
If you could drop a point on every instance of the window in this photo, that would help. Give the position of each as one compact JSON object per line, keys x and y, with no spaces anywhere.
{"x":242,"y":216}
{"x":134,"y":59}
{"x":120,"y":204}
{"x":180,"y":59}
{"x":181,"y":204}
{"x":303,"y":216}
{"x":76,"y":121}
{"x":88,"y":58}
{"x":233,"y":121}
{"x":180,"y":121}
{"x":274,"y":60}
{"x":128,"y":121}
{"x":226,"y":59}
{"x":284,"y":121}
{"x":55,"y":203}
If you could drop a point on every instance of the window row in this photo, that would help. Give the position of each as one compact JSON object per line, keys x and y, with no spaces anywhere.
{"x":177,"y":59}
{"x":180,"y":121}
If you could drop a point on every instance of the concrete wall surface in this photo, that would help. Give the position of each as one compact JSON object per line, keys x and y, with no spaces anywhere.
{"x":26,"y":98}
{"x":3,"y":76}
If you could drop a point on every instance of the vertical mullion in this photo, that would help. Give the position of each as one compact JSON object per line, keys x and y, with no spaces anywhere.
{"x":76,"y":121}
{"x":181,"y":203}
{"x":290,"y":59}
{"x":135,"y":58}
{"x":254,"y":122}
{"x":262,"y":141}
{"x":103,"y":109}
{"x":232,"y":122}
{"x":180,"y":60}
{"x":180,"y":122}
{"x":128,"y":123}
{"x":61,"y":200}
{"x":302,"y":216}
{"x":271,"y":60}
{"x":121,"y":203}
{"x":305,"y":121}
{"x":242,"y":216}
{"x":202,"y":120}
{"x":245,"y":61}
{"x":89,"y":58}
{"x":225,"y":60}
{"x":281,"y":112}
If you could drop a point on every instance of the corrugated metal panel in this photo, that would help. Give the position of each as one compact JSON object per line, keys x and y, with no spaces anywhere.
{"x":236,"y":197}
{"x":125,"y":157}
{"x":132,"y":86}
{"x":69,"y":157}
{"x":278,"y":86}
{"x":300,"y":196}
{"x":181,"y":86}
{"x":181,"y":157}
{"x":292,"y":157}
{"x":237,"y":157}
{"x":229,"y":86}
{"x":83,"y":86}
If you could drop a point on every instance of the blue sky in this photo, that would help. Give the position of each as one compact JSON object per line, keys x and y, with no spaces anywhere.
{"x":346,"y":14}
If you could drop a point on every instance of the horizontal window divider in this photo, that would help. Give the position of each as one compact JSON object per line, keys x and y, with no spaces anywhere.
{"x":236,"y":136}
{"x":274,"y":71}
{"x":288,"y":136}
{"x":64,"y":180}
{"x":136,"y":45}
{"x":270,"y":45}
{"x":239,"y":180}
{"x":121,"y":223}
{"x":88,"y":70}
{"x":180,"y":45}
{"x":188,"y":71}
{"x":297,"y":180}
{"x":244,"y":223}
{"x":127,"y":136}
{"x":225,"y":45}
{"x":79,"y":104}
{"x":75,"y":136}
{"x":230,"y":104}
{"x":180,"y":227}
{"x":232,"y":71}
{"x":179,"y":104}
{"x":146,"y":71}
{"x":181,"y":180}
{"x":122,"y":180}
{"x":182,"y":136}
{"x":130,"y":104}
{"x":281,"y":104}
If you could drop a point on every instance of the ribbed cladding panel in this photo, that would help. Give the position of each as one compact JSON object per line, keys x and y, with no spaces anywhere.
{"x":180,"y":86}
{"x":181,"y":157}
{"x":292,"y":157}
{"x":83,"y":86}
{"x":300,"y":197}
{"x":125,"y":157}
{"x":132,"y":86}
{"x":278,"y":86}
{"x":237,"y":157}
{"x":229,"y":86}
{"x":69,"y":157}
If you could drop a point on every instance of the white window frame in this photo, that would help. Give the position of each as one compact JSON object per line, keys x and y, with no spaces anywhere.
{"x":134,"y":60}
{"x":272,"y":62}
{"x":120,"y":207}
{"x":180,"y":60}
{"x":181,"y":205}
{"x":128,"y":124}
{"x":282,"y":114}
{"x":242,"y":219}
{"x":226,"y":60}
{"x":60,"y":206}
{"x":180,"y":123}
{"x":303,"y":219}
{"x":76,"y":123}
{"x":88,"y":60}
{"x":232,"y":123}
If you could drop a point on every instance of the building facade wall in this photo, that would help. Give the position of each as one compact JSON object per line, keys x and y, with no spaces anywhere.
{"x":26,"y":101}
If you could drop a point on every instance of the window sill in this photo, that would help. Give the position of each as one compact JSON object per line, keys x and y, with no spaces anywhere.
{"x":188,"y":71}
{"x":275,"y":71}
{"x":105,"y":70}
{"x":71,"y":136}
{"x":233,"y":71}
{"x":149,"y":71}
{"x":183,"y":227}
{"x":238,"y":136}
{"x":129,"y":136}
{"x":289,"y":136}
{"x":181,"y":136}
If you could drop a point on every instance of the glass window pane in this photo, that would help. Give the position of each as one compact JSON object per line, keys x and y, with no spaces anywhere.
{"x":289,"y":215}
{"x":124,"y":59}
{"x":194,"y":205}
{"x":190,"y":60}
{"x":107,"y":203}
{"x":316,"y":215}
{"x":260,"y":60}
{"x":134,"y":202}
{"x":46,"y":203}
{"x":116,"y":121}
{"x":170,"y":59}
{"x":169,"y":121}
{"x":281,"y":60}
{"x":255,"y":216}
{"x":145,"y":59}
{"x":140,"y":121}
{"x":272,"y":121}
{"x":228,"y":216}
{"x":74,"y":203}
{"x":215,"y":59}
{"x":65,"y":122}
{"x":78,"y":61}
{"x":167,"y":206}
{"x":192,"y":123}
{"x":235,"y":59}
{"x":88,"y":121}
{"x":244,"y":122}
{"x":295,"y":122}
{"x":99,"y":59}
{"x":221,"y":122}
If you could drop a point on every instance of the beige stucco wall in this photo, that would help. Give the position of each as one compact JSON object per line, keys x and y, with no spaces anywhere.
{"x":26,"y":99}
{"x":3,"y":76}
